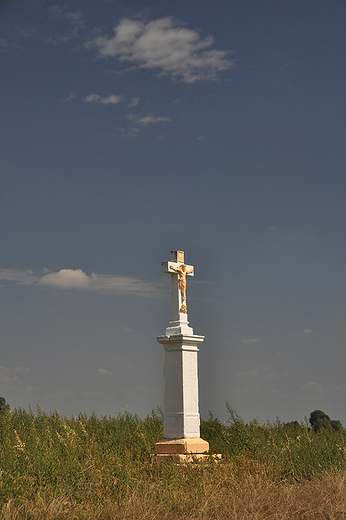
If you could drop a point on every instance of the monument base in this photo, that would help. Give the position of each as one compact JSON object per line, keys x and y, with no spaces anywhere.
{"x":182,"y":450}
{"x":182,"y":446}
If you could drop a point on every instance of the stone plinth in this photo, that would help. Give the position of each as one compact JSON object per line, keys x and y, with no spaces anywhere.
{"x":182,"y":450}
{"x":192,"y":445}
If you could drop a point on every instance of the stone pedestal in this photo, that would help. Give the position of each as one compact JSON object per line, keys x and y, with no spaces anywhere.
{"x":181,"y":412}
{"x":182,"y":450}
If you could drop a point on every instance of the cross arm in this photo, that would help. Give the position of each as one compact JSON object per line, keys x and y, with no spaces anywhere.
{"x":173,"y":268}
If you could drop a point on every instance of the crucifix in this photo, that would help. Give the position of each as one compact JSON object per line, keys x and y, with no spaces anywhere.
{"x":178,"y":271}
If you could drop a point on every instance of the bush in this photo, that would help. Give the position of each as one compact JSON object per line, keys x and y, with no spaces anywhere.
{"x":319,"y":420}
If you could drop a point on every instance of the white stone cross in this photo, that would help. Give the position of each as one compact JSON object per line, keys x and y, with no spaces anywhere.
{"x":178,"y":271}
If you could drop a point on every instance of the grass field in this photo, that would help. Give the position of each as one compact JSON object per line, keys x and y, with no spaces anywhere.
{"x":52,"y":467}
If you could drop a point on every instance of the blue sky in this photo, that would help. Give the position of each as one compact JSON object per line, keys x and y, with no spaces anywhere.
{"x":130,"y":129}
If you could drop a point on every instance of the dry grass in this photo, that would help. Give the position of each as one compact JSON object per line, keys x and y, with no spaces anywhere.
{"x":84,"y":468}
{"x":236,"y":490}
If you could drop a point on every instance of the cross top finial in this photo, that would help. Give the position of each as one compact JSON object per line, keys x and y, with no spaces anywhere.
{"x":177,"y":256}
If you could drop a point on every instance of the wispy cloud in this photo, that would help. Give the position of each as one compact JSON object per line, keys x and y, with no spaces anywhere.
{"x":71,"y":97}
{"x":22,"y":370}
{"x":104,"y":372}
{"x":151,"y":120}
{"x":77,"y":280}
{"x":165,"y":45}
{"x":251,"y":341}
{"x":127,"y":132}
{"x":18,"y":276}
{"x":305,"y":331}
{"x":6,"y":45}
{"x":312,"y":386}
{"x":113,"y":99}
{"x":28,"y":31}
{"x":134,"y":102}
{"x":134,"y":122}
{"x":74,"y":23}
{"x":9,"y":380}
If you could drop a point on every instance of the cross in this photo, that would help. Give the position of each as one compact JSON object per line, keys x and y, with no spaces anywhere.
{"x":178,"y":271}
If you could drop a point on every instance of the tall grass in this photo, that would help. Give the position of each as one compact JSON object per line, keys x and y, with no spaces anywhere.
{"x":85,"y":467}
{"x":296,"y":451}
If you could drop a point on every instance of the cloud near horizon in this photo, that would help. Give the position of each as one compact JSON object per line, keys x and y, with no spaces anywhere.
{"x":312,"y":386}
{"x":163,"y":44}
{"x":76,"y":279}
{"x":10,"y":380}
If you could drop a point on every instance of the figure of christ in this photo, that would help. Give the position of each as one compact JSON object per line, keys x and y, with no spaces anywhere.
{"x":182,"y":271}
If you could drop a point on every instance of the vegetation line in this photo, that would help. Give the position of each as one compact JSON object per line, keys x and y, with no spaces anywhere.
{"x":91,"y":468}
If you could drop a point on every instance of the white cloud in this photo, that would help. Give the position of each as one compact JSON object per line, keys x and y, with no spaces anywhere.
{"x":308,"y":331}
{"x":311,"y":386}
{"x":151,"y":120}
{"x":66,"y":278}
{"x":76,"y":279}
{"x":113,"y":99}
{"x":163,"y":44}
{"x":201,"y":138}
{"x":104,"y":372}
{"x":92,"y":98}
{"x":250,"y":341}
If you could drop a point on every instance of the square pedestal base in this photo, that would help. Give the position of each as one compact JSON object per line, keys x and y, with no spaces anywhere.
{"x":182,"y":450}
{"x":182,"y":446}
